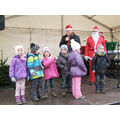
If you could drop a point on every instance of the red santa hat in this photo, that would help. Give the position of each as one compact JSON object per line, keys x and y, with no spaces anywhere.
{"x":68,"y":27}
{"x":101,"y":32}
{"x":95,"y":28}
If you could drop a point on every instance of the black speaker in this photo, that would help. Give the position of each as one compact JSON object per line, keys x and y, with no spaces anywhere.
{"x":2,"y":22}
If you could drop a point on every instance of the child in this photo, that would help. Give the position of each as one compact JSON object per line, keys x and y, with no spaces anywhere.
{"x":50,"y":71}
{"x":36,"y":73}
{"x":100,"y":63}
{"x":18,"y":73}
{"x":64,"y":65}
{"x":77,"y":70}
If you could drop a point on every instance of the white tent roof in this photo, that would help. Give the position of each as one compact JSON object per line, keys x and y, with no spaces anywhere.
{"x":79,"y":22}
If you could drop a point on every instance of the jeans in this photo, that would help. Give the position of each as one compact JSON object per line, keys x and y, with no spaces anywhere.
{"x":66,"y":82}
{"x":69,"y":82}
{"x":100,"y":82}
{"x":47,"y":82}
{"x":36,"y":88}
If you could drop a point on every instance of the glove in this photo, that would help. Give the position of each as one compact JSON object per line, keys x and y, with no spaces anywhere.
{"x":86,"y":58}
{"x":13,"y":79}
{"x":28,"y":78}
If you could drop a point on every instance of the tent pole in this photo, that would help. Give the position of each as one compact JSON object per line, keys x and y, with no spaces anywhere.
{"x":111,"y":32}
{"x":62,"y":25}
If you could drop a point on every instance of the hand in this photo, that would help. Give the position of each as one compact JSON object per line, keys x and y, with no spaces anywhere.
{"x":28,"y":78}
{"x":86,"y":58}
{"x":13,"y":79}
{"x":67,"y":38}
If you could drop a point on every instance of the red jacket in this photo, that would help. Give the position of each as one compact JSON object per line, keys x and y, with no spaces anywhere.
{"x":90,"y":46}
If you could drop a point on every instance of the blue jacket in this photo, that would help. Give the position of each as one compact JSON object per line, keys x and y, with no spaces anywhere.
{"x":34,"y":66}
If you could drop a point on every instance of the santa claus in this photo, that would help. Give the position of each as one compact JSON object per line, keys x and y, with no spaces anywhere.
{"x":90,"y":49}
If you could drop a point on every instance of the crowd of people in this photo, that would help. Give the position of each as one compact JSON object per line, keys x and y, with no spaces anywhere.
{"x":69,"y":62}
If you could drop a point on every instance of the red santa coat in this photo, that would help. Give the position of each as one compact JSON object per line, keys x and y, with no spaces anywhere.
{"x":91,"y":47}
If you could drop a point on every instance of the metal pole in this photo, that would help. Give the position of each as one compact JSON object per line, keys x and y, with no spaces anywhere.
{"x":111,"y":32}
{"x":62,"y":25}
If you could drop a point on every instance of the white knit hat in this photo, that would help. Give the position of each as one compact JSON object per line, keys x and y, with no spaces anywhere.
{"x":45,"y":49}
{"x":18,"y":47}
{"x":75,"y":45}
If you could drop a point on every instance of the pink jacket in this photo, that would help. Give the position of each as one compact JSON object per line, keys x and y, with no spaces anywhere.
{"x":50,"y":69}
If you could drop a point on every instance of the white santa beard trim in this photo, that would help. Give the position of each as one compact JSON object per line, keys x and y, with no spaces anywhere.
{"x":69,"y":29}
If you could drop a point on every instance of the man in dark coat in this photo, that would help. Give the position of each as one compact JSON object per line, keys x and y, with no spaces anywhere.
{"x":68,"y":36}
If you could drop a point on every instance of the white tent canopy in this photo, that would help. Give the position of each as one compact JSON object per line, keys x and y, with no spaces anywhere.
{"x":47,"y":30}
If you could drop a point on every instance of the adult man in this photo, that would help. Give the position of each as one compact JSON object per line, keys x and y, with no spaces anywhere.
{"x":68,"y":36}
{"x":90,"y":49}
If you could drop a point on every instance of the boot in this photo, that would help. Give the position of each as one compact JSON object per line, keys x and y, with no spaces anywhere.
{"x":69,"y":90}
{"x":41,"y":97}
{"x":53,"y":93}
{"x":35,"y":99}
{"x":23,"y":99}
{"x":46,"y":94}
{"x":63,"y":93}
{"x":18,"y":100}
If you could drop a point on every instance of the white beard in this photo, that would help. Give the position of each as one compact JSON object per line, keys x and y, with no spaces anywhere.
{"x":95,"y":37}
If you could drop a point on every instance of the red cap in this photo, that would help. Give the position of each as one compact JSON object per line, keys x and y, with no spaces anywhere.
{"x":69,"y":27}
{"x":95,"y":28}
{"x":101,"y":32}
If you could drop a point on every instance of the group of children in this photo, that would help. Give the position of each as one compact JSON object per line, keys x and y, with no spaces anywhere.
{"x":71,"y":65}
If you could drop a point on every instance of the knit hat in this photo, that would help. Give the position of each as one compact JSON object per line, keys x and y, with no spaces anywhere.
{"x":45,"y":49}
{"x":100,"y":46}
{"x":75,"y":45}
{"x":69,"y":27}
{"x":18,"y":47}
{"x":34,"y":47}
{"x":95,"y":29}
{"x":64,"y":46}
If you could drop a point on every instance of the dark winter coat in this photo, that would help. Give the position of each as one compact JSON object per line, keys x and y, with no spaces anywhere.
{"x":63,"y":64}
{"x":78,"y":68}
{"x":100,"y":64}
{"x":63,"y":41}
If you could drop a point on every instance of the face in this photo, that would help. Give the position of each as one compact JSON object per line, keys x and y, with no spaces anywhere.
{"x":20,"y":52}
{"x":101,"y":50}
{"x":63,"y":51}
{"x":95,"y":33}
{"x":37,"y":52}
{"x":68,"y":32}
{"x":46,"y":54}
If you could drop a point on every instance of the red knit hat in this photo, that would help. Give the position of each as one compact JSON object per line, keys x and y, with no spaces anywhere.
{"x":95,"y":28}
{"x":69,"y":27}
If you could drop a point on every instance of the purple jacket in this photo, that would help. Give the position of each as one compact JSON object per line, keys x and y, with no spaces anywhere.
{"x":78,"y":68}
{"x":18,"y":68}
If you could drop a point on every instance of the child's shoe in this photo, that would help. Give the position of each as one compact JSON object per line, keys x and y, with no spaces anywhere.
{"x":63,"y":93}
{"x":41,"y":97}
{"x":35,"y":99}
{"x":18,"y":100}
{"x":23,"y":99}
{"x":53,"y":93}
{"x":97,"y":92}
{"x":46,"y":94}
{"x":70,"y":90}
{"x":103,"y":92}
{"x":82,"y":97}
